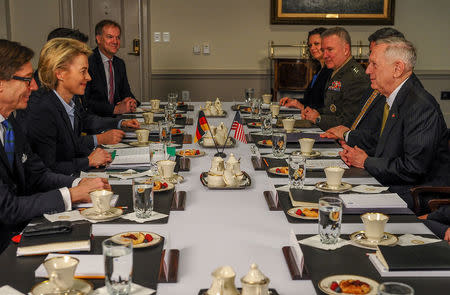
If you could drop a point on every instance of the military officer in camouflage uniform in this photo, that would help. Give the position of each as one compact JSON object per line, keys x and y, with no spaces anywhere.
{"x":347,"y":85}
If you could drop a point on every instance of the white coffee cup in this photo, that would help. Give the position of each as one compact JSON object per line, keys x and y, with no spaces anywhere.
{"x":267,"y":98}
{"x":306,"y":145}
{"x":101,"y":200}
{"x":374,"y":224}
{"x":148,"y":117}
{"x":275,"y":109}
{"x":288,"y":124}
{"x":61,"y":271}
{"x":155,"y":104}
{"x":334,"y":176}
{"x":166,"y":168}
{"x":142,"y":135}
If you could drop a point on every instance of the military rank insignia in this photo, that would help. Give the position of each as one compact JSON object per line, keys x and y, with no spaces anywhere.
{"x":333,"y":108}
{"x":335,"y":86}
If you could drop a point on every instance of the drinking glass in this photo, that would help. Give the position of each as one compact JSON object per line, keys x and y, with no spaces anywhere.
{"x":395,"y":288}
{"x":172,"y":97}
{"x":165,"y":135}
{"x":249,"y":94}
{"x":296,"y":171}
{"x":278,"y":144}
{"x":169,"y":115}
{"x":118,"y":260}
{"x":255,"y":105}
{"x":143,"y":197}
{"x":330,"y":216}
{"x":266,"y":122}
{"x":157,"y":153}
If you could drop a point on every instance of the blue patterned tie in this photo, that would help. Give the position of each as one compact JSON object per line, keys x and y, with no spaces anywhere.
{"x":9,"y":142}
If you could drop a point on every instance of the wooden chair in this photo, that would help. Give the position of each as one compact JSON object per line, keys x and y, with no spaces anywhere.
{"x":429,"y":198}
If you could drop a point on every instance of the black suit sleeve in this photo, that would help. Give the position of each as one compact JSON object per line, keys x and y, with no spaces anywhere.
{"x":441,"y":215}
{"x":125,"y":90}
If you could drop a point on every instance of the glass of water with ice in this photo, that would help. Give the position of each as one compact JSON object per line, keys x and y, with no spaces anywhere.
{"x":266,"y":122}
{"x":330,"y":217}
{"x":143,"y":197}
{"x":278,"y":144}
{"x":118,"y":260}
{"x":296,"y":171}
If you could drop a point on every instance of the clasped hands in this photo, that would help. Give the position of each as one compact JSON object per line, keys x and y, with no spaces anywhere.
{"x":307,"y":113}
{"x":127,"y":105}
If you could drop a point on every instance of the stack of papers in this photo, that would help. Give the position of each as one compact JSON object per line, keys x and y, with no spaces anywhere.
{"x":134,"y":157}
{"x":90,"y":267}
{"x":373,"y":201}
{"x":324,"y":163}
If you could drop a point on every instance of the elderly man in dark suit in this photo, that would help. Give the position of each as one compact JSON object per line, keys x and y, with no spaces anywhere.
{"x":109,"y":92}
{"x":27,"y":188}
{"x":412,"y":148}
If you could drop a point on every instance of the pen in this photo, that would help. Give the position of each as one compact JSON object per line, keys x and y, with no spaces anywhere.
{"x":113,"y":154}
{"x":267,"y":164}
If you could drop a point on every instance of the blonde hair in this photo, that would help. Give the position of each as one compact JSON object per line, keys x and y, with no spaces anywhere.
{"x":57,"y":54}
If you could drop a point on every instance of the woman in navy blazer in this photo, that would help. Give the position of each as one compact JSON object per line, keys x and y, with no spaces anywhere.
{"x":53,"y":125}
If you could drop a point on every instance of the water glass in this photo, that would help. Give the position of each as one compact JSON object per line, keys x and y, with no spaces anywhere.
{"x":172,"y":98}
{"x":249,"y":94}
{"x":330,"y":216}
{"x":157,"y":153}
{"x":395,"y":288}
{"x":278,"y":144}
{"x":169,"y":114}
{"x":143,"y":197}
{"x":118,"y":260}
{"x":296,"y":171}
{"x":255,"y":105}
{"x":266,"y":122}
{"x":165,"y":135}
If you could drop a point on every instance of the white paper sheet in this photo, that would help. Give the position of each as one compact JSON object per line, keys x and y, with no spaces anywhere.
{"x":373,"y":201}
{"x":324,"y":163}
{"x":297,"y":251}
{"x":90,"y":266}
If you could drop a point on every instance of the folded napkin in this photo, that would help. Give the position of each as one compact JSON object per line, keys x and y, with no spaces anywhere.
{"x":285,"y":188}
{"x":135,"y":290}
{"x":369,"y":189}
{"x":8,"y":290}
{"x":271,"y":156}
{"x":93,"y":174}
{"x":314,"y":241}
{"x":414,"y":240}
{"x":130,"y":174}
{"x":73,"y":215}
{"x":132,"y":216}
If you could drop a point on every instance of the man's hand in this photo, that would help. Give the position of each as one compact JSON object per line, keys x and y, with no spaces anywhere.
{"x":133,"y":123}
{"x":310,"y":114}
{"x":99,"y":157}
{"x":291,"y":103}
{"x":127,"y":105}
{"x":423,"y":217}
{"x":112,"y":136}
{"x":353,"y":156}
{"x":447,"y":235}
{"x":335,"y":132}
{"x":80,"y":193}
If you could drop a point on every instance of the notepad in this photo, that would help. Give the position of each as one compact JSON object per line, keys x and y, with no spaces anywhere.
{"x":89,"y":267}
{"x":139,"y":155}
{"x":324,"y":163}
{"x":373,"y":201}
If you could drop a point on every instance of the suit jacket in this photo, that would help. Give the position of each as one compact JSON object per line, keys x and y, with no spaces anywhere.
{"x":51,"y":136}
{"x":96,"y":94}
{"x":28,"y":189}
{"x":344,"y":93}
{"x":314,"y":94}
{"x":439,"y":221}
{"x":413,"y":149}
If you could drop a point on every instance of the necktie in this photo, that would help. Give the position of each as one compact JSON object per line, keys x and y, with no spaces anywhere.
{"x":9,"y":142}
{"x":111,"y":83}
{"x":364,"y":109}
{"x":385,"y":116}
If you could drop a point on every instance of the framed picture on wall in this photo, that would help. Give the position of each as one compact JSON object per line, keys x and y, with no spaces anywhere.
{"x":332,"y":12}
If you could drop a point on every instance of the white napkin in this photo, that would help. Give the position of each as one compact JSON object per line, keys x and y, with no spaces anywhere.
{"x":8,"y":290}
{"x":314,"y":241}
{"x":414,"y":240}
{"x":285,"y":188}
{"x":369,"y":189}
{"x":135,"y":290}
{"x":329,"y":152}
{"x":132,"y":216}
{"x":116,"y":146}
{"x":73,"y":215}
{"x":271,"y":156}
{"x":93,"y":174}
{"x":130,"y":174}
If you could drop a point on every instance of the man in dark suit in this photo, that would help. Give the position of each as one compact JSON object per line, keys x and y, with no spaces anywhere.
{"x":27,"y":188}
{"x":413,"y":146}
{"x":439,"y":222}
{"x":109,"y":92}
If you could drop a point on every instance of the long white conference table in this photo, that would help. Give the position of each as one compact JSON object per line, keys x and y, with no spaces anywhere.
{"x":232,"y":227}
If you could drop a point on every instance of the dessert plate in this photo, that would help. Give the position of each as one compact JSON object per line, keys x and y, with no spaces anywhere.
{"x":325,"y":283}
{"x":140,"y":241}
{"x":314,"y":212}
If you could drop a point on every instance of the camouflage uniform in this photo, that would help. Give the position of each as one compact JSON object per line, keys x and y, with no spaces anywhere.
{"x":343,"y":94}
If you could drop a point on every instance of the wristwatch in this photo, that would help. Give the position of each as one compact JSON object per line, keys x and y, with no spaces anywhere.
{"x":317,"y":120}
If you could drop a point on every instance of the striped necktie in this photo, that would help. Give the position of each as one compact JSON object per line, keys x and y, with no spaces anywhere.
{"x":111,"y":83}
{"x":9,"y":142}
{"x":385,"y":116}
{"x":364,"y":109}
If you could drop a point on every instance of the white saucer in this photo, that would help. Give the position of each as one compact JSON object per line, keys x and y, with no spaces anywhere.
{"x":80,"y":287}
{"x":313,"y":154}
{"x":359,"y":239}
{"x":113,"y":213}
{"x":323,"y":187}
{"x":137,"y":143}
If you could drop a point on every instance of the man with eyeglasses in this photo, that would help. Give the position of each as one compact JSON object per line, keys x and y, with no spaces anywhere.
{"x":27,"y":188}
{"x":108,"y":93}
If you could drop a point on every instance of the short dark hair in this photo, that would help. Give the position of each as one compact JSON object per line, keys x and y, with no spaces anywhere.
{"x":105,"y":23}
{"x":13,"y":56}
{"x":67,"y":33}
{"x":385,"y":33}
{"x":340,"y":32}
{"x":316,"y":31}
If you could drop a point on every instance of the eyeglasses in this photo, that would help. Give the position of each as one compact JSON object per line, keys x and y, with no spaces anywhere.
{"x":25,"y":79}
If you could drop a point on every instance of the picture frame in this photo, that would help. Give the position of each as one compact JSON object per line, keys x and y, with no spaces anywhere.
{"x":332,"y":12}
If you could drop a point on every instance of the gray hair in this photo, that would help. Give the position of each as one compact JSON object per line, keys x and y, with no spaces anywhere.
{"x":400,"y":49}
{"x":340,"y":32}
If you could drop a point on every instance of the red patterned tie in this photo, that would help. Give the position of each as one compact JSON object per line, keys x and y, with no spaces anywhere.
{"x":111,"y":83}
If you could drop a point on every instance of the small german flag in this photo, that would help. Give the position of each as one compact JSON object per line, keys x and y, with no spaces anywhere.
{"x":202,"y":126}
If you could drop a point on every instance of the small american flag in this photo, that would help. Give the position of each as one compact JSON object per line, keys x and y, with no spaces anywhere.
{"x":238,"y":128}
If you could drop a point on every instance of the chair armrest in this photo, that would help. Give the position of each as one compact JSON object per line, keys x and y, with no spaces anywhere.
{"x":434,"y":204}
{"x":418,"y":190}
